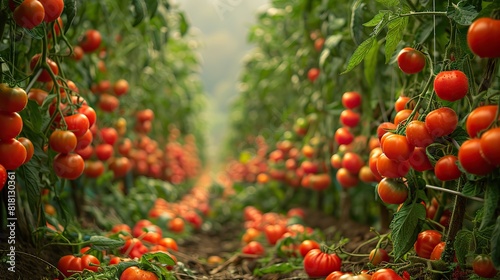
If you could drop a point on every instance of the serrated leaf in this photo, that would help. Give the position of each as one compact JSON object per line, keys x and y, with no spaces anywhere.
{"x":160,"y":257}
{"x":405,"y":227}
{"x":32,"y":117}
{"x":356,"y":25}
{"x":104,"y":243}
{"x":462,"y":13}
{"x":36,"y":33}
{"x":471,"y":188}
{"x":70,"y":12}
{"x":370,"y":62}
{"x":377,"y":19}
{"x":462,"y":245}
{"x":491,"y":202}
{"x":389,"y":3}
{"x":139,"y":11}
{"x":394,"y":35}
{"x":495,"y":244}
{"x":360,"y":53}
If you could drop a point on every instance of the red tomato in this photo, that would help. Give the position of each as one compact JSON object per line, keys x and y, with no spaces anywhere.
{"x":392,"y":191}
{"x":397,"y":147}
{"x":29,"y":14}
{"x":120,"y":166}
{"x":417,"y":134}
{"x":62,"y":141}
{"x":108,"y":103}
{"x":320,"y":181}
{"x":135,"y":273}
{"x":121,"y":227}
{"x":307,"y":245}
{"x":89,"y":112}
{"x":349,"y":118}
{"x":12,"y":124}
{"x":313,"y":74}
{"x":378,"y":255}
{"x":472,"y":160}
{"x":351,"y":99}
{"x":12,"y":153}
{"x":385,"y":274}
{"x":392,"y":168}
{"x":77,"y":123}
{"x":30,"y":149}
{"x":253,"y":248}
{"x":90,"y":41}
{"x":68,"y":166}
{"x":402,"y":116}
{"x":109,"y":135}
{"x":426,"y":241}
{"x":483,"y":37}
{"x":346,"y":179}
{"x":483,"y":266}
{"x":168,"y":243}
{"x":480,"y":119}
{"x":176,"y":225}
{"x":437,"y":251}
{"x":320,"y":264}
{"x":451,"y":85}
{"x":446,"y":168}
{"x":441,"y":122}
{"x":411,"y":61}
{"x":385,"y":127}
{"x":85,"y":153}
{"x":274,"y":233}
{"x":44,"y":76}
{"x":37,"y":95}
{"x":352,"y":162}
{"x":3,"y":177}
{"x":53,"y":9}
{"x":335,"y":275}
{"x":104,"y":151}
{"x":419,"y":160}
{"x":70,"y":264}
{"x":84,"y":141}
{"x":401,"y":103}
{"x":489,"y":146}
{"x":343,"y":136}
{"x":12,"y":99}
{"x":120,"y":87}
{"x":93,"y":169}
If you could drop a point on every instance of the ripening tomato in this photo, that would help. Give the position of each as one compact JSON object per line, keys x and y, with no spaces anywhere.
{"x":12,"y":99}
{"x":37,"y":95}
{"x":30,"y":149}
{"x":483,"y":37}
{"x":403,"y":115}
{"x":411,"y":61}
{"x":483,"y":266}
{"x":3,"y":176}
{"x":307,"y":245}
{"x":120,"y":87}
{"x":120,"y":166}
{"x":84,"y":141}
{"x":437,"y":251}
{"x":53,"y":9}
{"x":12,"y":124}
{"x":135,"y":273}
{"x":397,"y":147}
{"x":451,"y":85}
{"x":313,"y":74}
{"x":12,"y":153}
{"x":44,"y":76}
{"x":446,"y":168}
{"x":77,"y":123}
{"x":320,"y":264}
{"x":274,"y":233}
{"x":419,"y":160}
{"x":401,"y":103}
{"x":426,"y":241}
{"x":62,"y":141}
{"x":346,"y":179}
{"x":378,"y":255}
{"x":93,"y":169}
{"x":351,"y":99}
{"x":349,"y":118}
{"x":385,"y":127}
{"x":70,"y":264}
{"x":441,"y":122}
{"x":29,"y":14}
{"x":343,"y":136}
{"x":89,"y":112}
{"x":389,"y":168}
{"x":176,"y":225}
{"x":392,"y":191}
{"x":385,"y":274}
{"x":417,"y":134}
{"x":68,"y":166}
{"x":352,"y":162}
{"x":90,"y":41}
{"x":472,"y":160}
{"x":169,"y":243}
{"x":109,"y":135}
{"x":490,"y":148}
{"x":480,"y":119}
{"x":253,"y":248}
{"x":108,"y":103}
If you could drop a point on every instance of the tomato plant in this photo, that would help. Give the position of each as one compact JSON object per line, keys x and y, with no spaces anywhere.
{"x":320,"y":264}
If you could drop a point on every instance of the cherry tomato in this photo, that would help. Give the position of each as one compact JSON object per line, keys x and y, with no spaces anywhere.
{"x":417,"y":134}
{"x":472,"y":160}
{"x":349,"y":118}
{"x":253,"y":248}
{"x":483,"y":266}
{"x":274,"y":233}
{"x":307,"y":245}
{"x":108,"y":103}
{"x":385,"y":274}
{"x":169,"y":243}
{"x":30,"y":149}
{"x":77,"y":123}
{"x":419,"y":160}
{"x":120,"y":87}
{"x":93,"y":169}
{"x":351,"y":99}
{"x":320,"y":264}
{"x":346,"y":179}
{"x":446,"y":168}
{"x":313,"y":74}
{"x":12,"y":153}
{"x":62,"y":141}
{"x":70,"y":264}
{"x":451,"y":85}
{"x":483,"y":37}
{"x":90,"y":41}
{"x":490,"y":148}
{"x":397,"y":147}
{"x":84,"y":141}
{"x":89,"y":112}
{"x":392,"y":168}
{"x":480,"y":119}
{"x":109,"y":135}
{"x":403,"y":115}
{"x":68,"y":166}
{"x":12,"y":124}
{"x":352,"y":162}
{"x":411,"y":61}
{"x":176,"y":225}
{"x":426,"y":241}
{"x":437,"y":251}
{"x":53,"y":9}
{"x":401,"y":103}
{"x":120,"y":166}
{"x":343,"y":136}
{"x":378,"y":255}
{"x":385,"y":127}
{"x":44,"y":76}
{"x":29,"y":14}
{"x":134,"y":272}
{"x":12,"y":99}
{"x":392,"y":191}
{"x":441,"y":122}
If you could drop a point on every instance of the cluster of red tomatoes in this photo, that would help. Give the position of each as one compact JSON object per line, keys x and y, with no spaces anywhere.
{"x":31,"y":13}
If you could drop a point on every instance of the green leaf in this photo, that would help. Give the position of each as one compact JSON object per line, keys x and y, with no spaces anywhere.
{"x":434,"y":152}
{"x":394,"y":36}
{"x":462,"y":13}
{"x":389,"y":3}
{"x":280,"y":268}
{"x":139,"y":11}
{"x":183,"y":24}
{"x":491,"y":202}
{"x":370,"y":68}
{"x":70,"y":12}
{"x":495,"y":244}
{"x":28,"y":175}
{"x":377,"y":19}
{"x":333,"y":41}
{"x":160,"y":257}
{"x":357,"y":22}
{"x":360,"y":53}
{"x":459,"y":135}
{"x":32,"y":117}
{"x":104,"y":243}
{"x":471,"y":188}
{"x":405,"y":227}
{"x":462,"y":245}
{"x":152,"y":6}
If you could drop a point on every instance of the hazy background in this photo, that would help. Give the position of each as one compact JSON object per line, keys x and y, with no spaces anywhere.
{"x":221,"y":27}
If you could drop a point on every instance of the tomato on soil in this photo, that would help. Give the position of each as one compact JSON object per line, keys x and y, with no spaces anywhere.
{"x":385,"y":274}
{"x":378,"y":255}
{"x":253,"y":248}
{"x":70,"y":264}
{"x":320,"y":264}
{"x":307,"y":245}
{"x":135,"y":273}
